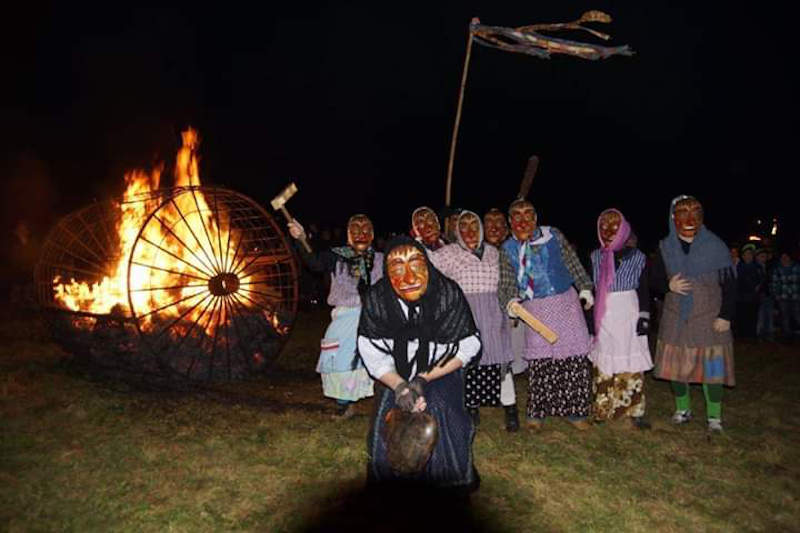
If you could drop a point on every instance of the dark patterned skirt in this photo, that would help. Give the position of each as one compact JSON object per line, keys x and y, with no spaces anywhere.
{"x":482,"y":385}
{"x":450,"y":464}
{"x":559,"y":387}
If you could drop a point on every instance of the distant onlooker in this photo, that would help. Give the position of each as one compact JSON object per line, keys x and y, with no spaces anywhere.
{"x":786,"y":291}
{"x":735,"y":256}
{"x":748,"y":280}
{"x":764,"y":327}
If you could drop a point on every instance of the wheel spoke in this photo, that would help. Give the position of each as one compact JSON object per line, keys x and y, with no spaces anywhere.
{"x":169,"y":288}
{"x":269,"y":297}
{"x":260,"y":306}
{"x":106,"y":237}
{"x":205,"y":230}
{"x":205,"y":327}
{"x":213,"y":353}
{"x":167,"y":270}
{"x":235,"y":262}
{"x":242,"y":342}
{"x":175,"y":256}
{"x":81,"y":259}
{"x":187,"y":247}
{"x":186,"y":223}
{"x":83,"y":244}
{"x":219,"y":232}
{"x":70,"y":268}
{"x":250,"y":262}
{"x":182,"y":315}
{"x":172,"y":304}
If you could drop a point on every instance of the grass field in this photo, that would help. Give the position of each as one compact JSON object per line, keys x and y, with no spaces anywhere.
{"x":78,"y":453}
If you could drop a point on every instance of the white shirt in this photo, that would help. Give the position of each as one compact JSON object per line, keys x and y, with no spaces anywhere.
{"x":377,"y":353}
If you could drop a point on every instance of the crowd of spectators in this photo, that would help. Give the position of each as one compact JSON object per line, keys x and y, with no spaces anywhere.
{"x":768,"y":285}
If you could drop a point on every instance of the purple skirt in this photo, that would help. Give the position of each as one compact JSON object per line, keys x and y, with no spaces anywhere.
{"x":494,"y":328}
{"x":563,"y":314}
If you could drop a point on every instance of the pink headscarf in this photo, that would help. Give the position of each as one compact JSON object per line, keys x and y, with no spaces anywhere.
{"x":606,"y":270}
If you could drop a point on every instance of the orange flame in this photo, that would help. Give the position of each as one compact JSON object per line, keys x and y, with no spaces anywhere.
{"x":178,"y":252}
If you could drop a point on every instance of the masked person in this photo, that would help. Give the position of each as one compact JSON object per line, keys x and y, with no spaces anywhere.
{"x":620,"y":352}
{"x":495,"y":227}
{"x":485,"y":276}
{"x":353,"y":268}
{"x":425,"y":228}
{"x":546,"y":268}
{"x":694,"y":345}
{"x":449,"y":217}
{"x":415,"y":334}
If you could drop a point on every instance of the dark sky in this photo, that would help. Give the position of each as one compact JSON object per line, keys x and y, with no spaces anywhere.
{"x":356,"y":103}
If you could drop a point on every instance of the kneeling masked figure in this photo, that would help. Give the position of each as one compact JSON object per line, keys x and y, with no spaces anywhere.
{"x":415,"y":334}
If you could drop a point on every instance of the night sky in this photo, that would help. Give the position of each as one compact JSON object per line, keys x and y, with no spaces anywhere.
{"x":355,"y":103}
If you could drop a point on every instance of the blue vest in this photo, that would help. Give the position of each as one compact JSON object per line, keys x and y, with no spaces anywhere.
{"x":550,"y":274}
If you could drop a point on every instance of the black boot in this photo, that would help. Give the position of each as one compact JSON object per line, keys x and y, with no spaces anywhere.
{"x":512,"y":418}
{"x":475,"y":415}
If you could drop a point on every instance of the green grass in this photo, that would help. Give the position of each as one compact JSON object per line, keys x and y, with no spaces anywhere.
{"x":82,"y":454}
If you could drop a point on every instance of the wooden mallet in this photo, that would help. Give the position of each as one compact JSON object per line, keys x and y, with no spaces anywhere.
{"x":523,"y":314}
{"x":279,"y":204}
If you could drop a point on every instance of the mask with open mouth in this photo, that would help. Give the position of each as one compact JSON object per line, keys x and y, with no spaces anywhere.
{"x":425,"y":225}
{"x":522,"y":217}
{"x":407,"y":270}
{"x":470,"y":231}
{"x":495,"y":227}
{"x":687,"y":214}
{"x":360,"y":233}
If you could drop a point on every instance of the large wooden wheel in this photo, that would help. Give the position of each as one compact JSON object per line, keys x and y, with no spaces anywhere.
{"x":212,"y":284}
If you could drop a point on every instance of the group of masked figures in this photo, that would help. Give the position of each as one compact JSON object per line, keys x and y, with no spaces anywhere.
{"x":429,"y":326}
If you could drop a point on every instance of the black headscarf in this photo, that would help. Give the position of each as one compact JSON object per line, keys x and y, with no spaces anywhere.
{"x":441,"y":315}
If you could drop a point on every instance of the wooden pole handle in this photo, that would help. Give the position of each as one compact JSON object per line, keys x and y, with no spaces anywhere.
{"x":302,"y":239}
{"x":535,"y":324}
{"x":454,"y":139}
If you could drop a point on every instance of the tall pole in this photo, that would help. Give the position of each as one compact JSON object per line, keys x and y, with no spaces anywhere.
{"x":458,"y":115}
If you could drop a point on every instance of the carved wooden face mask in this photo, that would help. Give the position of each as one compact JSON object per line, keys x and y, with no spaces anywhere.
{"x":408,"y":272}
{"x":360,"y":233}
{"x":425,"y":224}
{"x":469,"y":228}
{"x":688,"y":217}
{"x":495,"y":227}
{"x":609,"y":224}
{"x":523,"y":220}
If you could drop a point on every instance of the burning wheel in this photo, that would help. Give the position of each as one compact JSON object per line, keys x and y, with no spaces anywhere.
{"x":191,"y":281}
{"x":212,"y":284}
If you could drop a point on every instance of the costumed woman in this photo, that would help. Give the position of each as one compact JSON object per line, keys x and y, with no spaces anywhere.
{"x":546,"y":268}
{"x":449,"y":217}
{"x":495,"y":226}
{"x":415,"y":334}
{"x":485,"y":276}
{"x":353,"y":268}
{"x":620,"y":352}
{"x":695,"y":344}
{"x":425,"y":228}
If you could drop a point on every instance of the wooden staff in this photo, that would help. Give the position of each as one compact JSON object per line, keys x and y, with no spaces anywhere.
{"x":537,"y":326}
{"x":458,"y":114}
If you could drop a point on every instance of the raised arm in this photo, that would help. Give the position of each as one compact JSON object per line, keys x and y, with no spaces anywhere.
{"x":317,"y":261}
